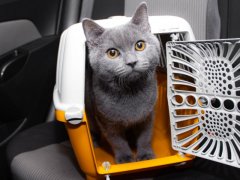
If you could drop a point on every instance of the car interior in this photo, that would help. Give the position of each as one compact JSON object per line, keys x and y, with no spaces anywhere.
{"x":33,"y":144}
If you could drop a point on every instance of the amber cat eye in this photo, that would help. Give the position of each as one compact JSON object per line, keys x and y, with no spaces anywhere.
{"x":140,"y":45}
{"x":112,"y":53}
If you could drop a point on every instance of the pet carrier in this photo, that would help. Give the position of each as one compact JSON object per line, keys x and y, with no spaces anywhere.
{"x":70,"y":105}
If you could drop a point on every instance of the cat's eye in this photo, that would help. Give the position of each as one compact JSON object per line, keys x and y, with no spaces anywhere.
{"x":140,"y":45}
{"x":112,"y":53}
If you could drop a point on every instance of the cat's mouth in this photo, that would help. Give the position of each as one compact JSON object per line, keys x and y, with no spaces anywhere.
{"x":139,"y":72}
{"x":134,"y":75}
{"x":132,"y":82}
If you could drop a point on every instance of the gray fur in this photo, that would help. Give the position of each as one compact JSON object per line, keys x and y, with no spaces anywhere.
{"x":124,"y":95}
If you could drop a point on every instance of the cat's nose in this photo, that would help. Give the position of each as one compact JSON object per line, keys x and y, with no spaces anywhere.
{"x":132,"y":64}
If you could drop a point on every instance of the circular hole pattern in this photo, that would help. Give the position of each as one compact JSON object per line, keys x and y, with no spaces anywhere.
{"x":177,"y":100}
{"x":238,"y":106}
{"x":228,"y":104}
{"x":202,"y":101}
{"x":191,"y":100}
{"x":217,"y":124}
{"x":218,"y":73}
{"x":216,"y":103}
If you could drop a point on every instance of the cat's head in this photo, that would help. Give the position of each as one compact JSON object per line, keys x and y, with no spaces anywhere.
{"x":128,"y":51}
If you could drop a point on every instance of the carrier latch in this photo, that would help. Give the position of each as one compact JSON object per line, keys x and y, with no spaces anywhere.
{"x":74,"y":116}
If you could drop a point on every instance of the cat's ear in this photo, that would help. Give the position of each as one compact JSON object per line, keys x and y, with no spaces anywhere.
{"x":91,"y":29}
{"x":140,"y":18}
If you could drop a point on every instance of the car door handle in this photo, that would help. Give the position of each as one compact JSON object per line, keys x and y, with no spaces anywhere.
{"x":11,"y":64}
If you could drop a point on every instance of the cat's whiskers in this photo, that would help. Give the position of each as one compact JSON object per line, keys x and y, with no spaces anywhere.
{"x":142,"y":67}
{"x":120,"y":74}
{"x":120,"y":71}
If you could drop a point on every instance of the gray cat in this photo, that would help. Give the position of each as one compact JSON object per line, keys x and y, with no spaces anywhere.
{"x":124,"y":86}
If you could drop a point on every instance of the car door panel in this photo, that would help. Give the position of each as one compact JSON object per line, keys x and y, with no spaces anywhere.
{"x":17,"y":33}
{"x":27,"y":80}
{"x":28,"y":55}
{"x":43,"y":13}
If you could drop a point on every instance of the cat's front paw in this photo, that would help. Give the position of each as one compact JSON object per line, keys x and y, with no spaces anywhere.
{"x":145,"y":156}
{"x":124,"y":158}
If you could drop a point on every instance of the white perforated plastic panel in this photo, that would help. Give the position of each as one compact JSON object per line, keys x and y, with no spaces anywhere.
{"x":203,"y":98}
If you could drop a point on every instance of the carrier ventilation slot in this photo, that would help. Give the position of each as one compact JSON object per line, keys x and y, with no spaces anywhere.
{"x":163,"y":39}
{"x":203,"y":98}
